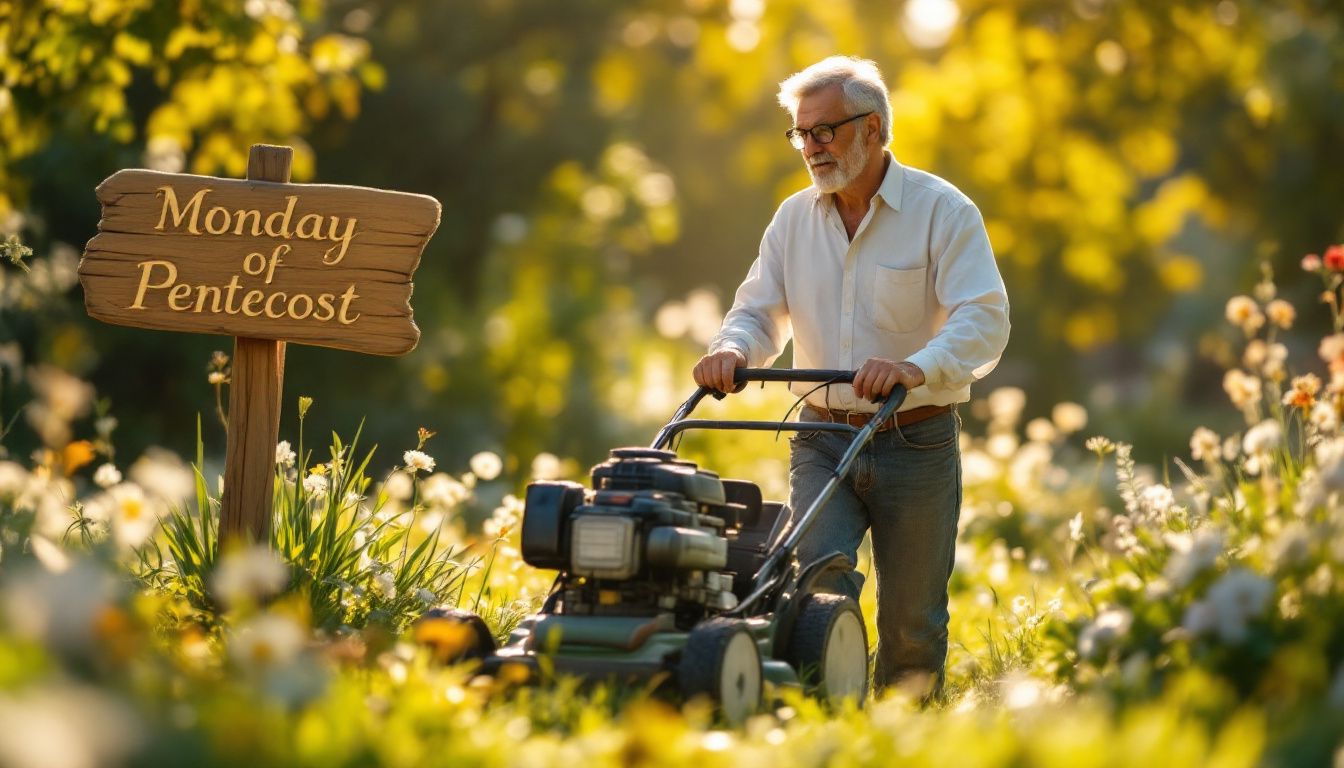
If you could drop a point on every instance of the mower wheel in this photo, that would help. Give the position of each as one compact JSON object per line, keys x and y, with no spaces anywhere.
{"x":454,"y":635}
{"x":722,"y":661}
{"x":829,"y":648}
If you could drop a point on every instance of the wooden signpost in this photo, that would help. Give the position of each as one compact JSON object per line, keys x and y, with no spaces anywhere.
{"x":267,"y":262}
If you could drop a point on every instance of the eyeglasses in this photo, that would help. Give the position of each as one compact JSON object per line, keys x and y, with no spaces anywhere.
{"x":822,"y":133}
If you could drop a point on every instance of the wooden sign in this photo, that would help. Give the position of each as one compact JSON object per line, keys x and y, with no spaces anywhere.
{"x":265,"y":261}
{"x":313,"y":263}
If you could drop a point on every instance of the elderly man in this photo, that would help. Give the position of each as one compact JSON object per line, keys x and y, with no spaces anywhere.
{"x":885,"y":269}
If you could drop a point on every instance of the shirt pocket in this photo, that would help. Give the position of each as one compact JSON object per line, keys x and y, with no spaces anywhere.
{"x":898,"y":298}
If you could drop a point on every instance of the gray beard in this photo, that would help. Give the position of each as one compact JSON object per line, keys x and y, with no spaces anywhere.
{"x":847,"y":168}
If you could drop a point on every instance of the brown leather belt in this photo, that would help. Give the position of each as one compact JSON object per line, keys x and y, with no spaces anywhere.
{"x":859,"y":418}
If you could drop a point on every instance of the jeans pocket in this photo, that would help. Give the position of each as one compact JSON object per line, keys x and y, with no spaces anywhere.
{"x":931,"y":434}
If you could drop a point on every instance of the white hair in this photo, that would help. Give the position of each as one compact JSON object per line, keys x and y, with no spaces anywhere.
{"x":859,"y":79}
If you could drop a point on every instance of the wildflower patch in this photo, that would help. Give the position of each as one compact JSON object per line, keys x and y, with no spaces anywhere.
{"x":310,"y":263}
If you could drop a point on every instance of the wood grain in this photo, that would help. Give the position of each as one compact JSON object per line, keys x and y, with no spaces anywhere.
{"x":255,"y":391}
{"x":390,"y":231}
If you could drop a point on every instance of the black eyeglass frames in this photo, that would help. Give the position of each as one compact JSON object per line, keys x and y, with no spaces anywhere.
{"x":822,"y":133}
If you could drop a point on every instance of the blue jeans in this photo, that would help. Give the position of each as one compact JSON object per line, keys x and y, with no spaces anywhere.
{"x":905,"y":486}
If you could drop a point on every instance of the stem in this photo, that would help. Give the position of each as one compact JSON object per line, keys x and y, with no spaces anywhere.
{"x":485,"y":577}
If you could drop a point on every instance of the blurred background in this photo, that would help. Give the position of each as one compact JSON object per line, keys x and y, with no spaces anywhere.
{"x":607,"y":167}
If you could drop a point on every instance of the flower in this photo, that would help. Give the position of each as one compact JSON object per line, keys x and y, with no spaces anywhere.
{"x":284,"y":455}
{"x":418,"y":461}
{"x":1006,"y":404}
{"x":1193,"y":554}
{"x":1099,"y":445}
{"x":1303,"y":393}
{"x":267,"y":641}
{"x":1076,"y":527}
{"x":1243,"y":312}
{"x":1238,"y":596}
{"x":1110,"y":625}
{"x":1041,"y":430}
{"x":1069,"y":417}
{"x":1311,"y":263}
{"x":1157,"y":499}
{"x":1205,"y":445}
{"x":385,"y":585}
{"x":1281,"y":313}
{"x":441,"y":489}
{"x":1242,"y":388}
{"x":399,"y":486}
{"x":315,"y":484}
{"x":215,"y":377}
{"x":486,"y":465}
{"x":1331,"y":350}
{"x":1334,"y":258}
{"x":547,"y":466}
{"x":1262,"y":438}
{"x":107,"y":476}
{"x":248,"y":575}
{"x":1324,"y":417}
{"x":133,"y":517}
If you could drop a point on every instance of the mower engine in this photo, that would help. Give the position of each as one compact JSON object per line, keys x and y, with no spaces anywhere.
{"x":652,"y":536}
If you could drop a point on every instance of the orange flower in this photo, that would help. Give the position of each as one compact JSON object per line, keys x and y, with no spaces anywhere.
{"x":76,"y":455}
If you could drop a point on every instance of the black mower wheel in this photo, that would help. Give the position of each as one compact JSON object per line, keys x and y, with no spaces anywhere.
{"x":721,"y":660}
{"x":454,"y":635}
{"x":829,"y":648}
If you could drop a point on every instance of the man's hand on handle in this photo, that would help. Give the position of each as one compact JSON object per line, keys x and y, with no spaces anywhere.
{"x":876,"y":377}
{"x":716,"y":371}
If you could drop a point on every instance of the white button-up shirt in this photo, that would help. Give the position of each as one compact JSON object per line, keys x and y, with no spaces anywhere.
{"x":918,"y":282}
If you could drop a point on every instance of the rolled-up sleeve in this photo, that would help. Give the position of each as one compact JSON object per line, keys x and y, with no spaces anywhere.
{"x":967,"y":284}
{"x":758,"y":324}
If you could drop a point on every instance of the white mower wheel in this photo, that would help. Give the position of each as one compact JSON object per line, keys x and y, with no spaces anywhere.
{"x":721,"y":660}
{"x":829,"y":648}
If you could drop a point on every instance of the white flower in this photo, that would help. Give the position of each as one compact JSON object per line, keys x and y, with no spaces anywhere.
{"x":1262,"y":438}
{"x":418,"y":461}
{"x":1292,"y":546}
{"x":1111,"y":625}
{"x":1242,"y":388}
{"x":107,"y":476}
{"x":443,"y":490}
{"x":1041,"y":430}
{"x":1193,"y":554}
{"x":1331,"y":348}
{"x":1243,"y":312}
{"x":1281,"y":313}
{"x":1006,"y":404}
{"x":1157,"y":499}
{"x":1239,"y":595}
{"x":546,"y":466}
{"x":1324,"y":417}
{"x":1069,"y":417}
{"x":385,"y":585}
{"x":1205,"y":445}
{"x":133,"y":516}
{"x":284,"y":455}
{"x":399,"y":485}
{"x":315,"y":485}
{"x":486,"y":465}
{"x":163,"y":474}
{"x":267,"y":641}
{"x":1076,"y":527}
{"x":251,"y":574}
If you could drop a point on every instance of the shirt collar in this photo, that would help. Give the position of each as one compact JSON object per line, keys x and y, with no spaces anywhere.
{"x":890,"y":190}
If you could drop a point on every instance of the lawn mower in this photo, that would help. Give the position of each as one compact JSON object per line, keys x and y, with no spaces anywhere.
{"x":667,"y":570}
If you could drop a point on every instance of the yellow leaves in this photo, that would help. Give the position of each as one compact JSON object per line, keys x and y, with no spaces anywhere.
{"x":1180,"y":274}
{"x":614,"y":81}
{"x":1149,"y":151}
{"x":338,"y":53}
{"x":1092,"y":264}
{"x":1162,"y":217}
{"x":1088,"y":328}
{"x":186,"y":37}
{"x":132,"y":49}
